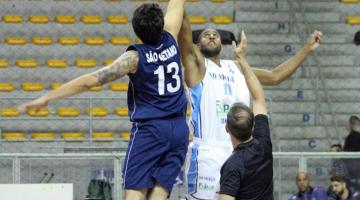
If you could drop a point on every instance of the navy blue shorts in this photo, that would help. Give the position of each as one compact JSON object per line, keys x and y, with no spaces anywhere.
{"x":156,"y":153}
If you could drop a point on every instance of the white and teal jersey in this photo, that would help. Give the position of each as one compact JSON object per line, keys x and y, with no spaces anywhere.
{"x":212,"y":97}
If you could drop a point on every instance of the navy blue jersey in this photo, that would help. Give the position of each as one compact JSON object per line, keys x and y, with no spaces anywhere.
{"x":156,"y":90}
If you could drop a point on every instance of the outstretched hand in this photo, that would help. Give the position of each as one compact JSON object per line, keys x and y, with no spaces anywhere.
{"x":240,"y":49}
{"x":314,"y":40}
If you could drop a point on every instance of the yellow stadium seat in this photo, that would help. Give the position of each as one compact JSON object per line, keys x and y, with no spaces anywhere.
{"x":125,"y":135}
{"x":85,"y":63}
{"x":4,"y":63}
{"x":191,"y":136}
{"x":120,"y":41}
{"x":9,"y":112}
{"x":353,"y":20}
{"x":67,"y":112}
{"x":41,"y":113}
{"x":94,"y":41}
{"x":221,"y":19}
{"x":188,"y":111}
{"x":12,"y":19}
{"x":69,"y":41}
{"x":65,"y":19}
{"x":57,"y":63}
{"x":117,"y":19}
{"x":14,"y":136}
{"x":350,"y":1}
{"x":32,"y":87}
{"x":96,"y":88}
{"x":55,"y":86}
{"x":118,"y":86}
{"x":39,"y":19}
{"x":43,"y":136}
{"x":122,"y":111}
{"x":108,"y":62}
{"x":103,"y":135}
{"x":97,"y":112}
{"x":217,"y":1}
{"x":42,"y":40}
{"x":163,"y":0}
{"x":72,"y":136}
{"x":15,"y":40}
{"x":6,"y":87}
{"x":192,"y":1}
{"x":138,"y":41}
{"x":197,"y":19}
{"x":91,"y":19}
{"x":26,"y":63}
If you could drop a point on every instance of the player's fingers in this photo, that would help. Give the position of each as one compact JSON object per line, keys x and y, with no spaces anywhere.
{"x":234,"y":45}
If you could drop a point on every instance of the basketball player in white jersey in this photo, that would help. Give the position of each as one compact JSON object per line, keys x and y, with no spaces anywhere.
{"x":214,"y":85}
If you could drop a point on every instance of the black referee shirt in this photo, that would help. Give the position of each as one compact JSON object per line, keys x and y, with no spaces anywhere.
{"x":248,"y":172}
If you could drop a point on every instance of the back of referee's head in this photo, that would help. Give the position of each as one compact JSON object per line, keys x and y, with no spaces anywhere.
{"x":240,"y":121}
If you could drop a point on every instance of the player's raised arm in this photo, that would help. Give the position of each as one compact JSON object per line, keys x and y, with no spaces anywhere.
{"x":174,"y":17}
{"x":191,"y":57}
{"x":286,"y":69}
{"x":125,"y":64}
{"x":254,"y":85}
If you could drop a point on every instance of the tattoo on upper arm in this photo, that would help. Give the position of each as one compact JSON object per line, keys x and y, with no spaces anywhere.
{"x":127,"y":63}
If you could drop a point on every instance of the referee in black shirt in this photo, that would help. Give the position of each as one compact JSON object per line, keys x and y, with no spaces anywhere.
{"x":248,"y":172}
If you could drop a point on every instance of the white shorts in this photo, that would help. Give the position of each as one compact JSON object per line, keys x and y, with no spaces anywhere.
{"x":202,"y":169}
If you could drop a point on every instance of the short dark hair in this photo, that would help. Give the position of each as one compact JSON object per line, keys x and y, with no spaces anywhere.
{"x":354,"y":122}
{"x":338,"y":146}
{"x":338,"y":178}
{"x":148,"y":23}
{"x":240,"y":121}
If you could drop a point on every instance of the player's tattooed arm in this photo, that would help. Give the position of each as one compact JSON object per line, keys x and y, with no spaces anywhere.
{"x":125,"y":64}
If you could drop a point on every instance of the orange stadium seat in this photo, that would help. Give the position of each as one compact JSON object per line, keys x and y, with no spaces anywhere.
{"x":27,"y":63}
{"x":108,"y":62}
{"x":353,"y":20}
{"x":42,"y":40}
{"x":67,"y":112}
{"x":91,"y":19}
{"x":72,"y":136}
{"x":221,"y":19}
{"x":97,"y":112}
{"x":350,"y":1}
{"x":120,"y":41}
{"x":85,"y":63}
{"x":117,"y":19}
{"x":69,"y":41}
{"x":103,"y":135}
{"x":125,"y":135}
{"x":6,"y":87}
{"x":15,"y":40}
{"x":217,"y":1}
{"x":39,"y":19}
{"x":197,"y":19}
{"x":118,"y":86}
{"x":43,"y":136}
{"x":57,"y":63}
{"x":55,"y":86}
{"x":65,"y":19}
{"x":9,"y":112}
{"x":13,"y":136}
{"x":4,"y":63}
{"x":12,"y":18}
{"x":94,"y":41}
{"x":41,"y":113}
{"x":32,"y":87}
{"x":122,"y":111}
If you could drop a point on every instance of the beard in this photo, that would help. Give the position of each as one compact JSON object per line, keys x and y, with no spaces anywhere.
{"x":208,"y":53}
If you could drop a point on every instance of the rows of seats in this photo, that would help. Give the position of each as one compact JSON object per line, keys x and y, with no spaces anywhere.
{"x":69,"y":112}
{"x":36,"y":87}
{"x":54,"y":63}
{"x":66,"y":136}
{"x":94,"y":19}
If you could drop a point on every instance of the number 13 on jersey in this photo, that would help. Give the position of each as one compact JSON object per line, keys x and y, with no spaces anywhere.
{"x":172,"y":68}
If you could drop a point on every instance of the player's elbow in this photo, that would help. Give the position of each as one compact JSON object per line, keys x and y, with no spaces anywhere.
{"x":274,"y":79}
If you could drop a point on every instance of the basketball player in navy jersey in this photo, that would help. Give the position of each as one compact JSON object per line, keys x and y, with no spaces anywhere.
{"x":156,"y":100}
